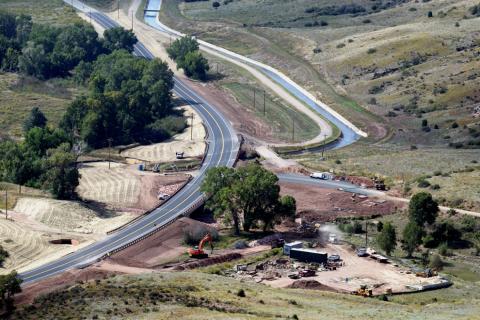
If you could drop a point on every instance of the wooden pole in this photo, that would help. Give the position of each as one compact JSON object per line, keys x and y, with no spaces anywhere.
{"x":254,"y":102}
{"x":6,"y":204}
{"x":191,"y":129}
{"x":264,"y":103}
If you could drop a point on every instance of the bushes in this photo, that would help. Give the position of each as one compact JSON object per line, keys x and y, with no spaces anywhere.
{"x":193,"y":234}
{"x":185,"y":53}
{"x":436,"y":263}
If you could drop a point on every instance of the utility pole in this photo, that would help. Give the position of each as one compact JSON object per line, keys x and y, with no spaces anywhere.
{"x":264,"y":102}
{"x":191,"y":129}
{"x":132,"y":20}
{"x":366,"y":234}
{"x":109,"y":151}
{"x":324,"y":139}
{"x":6,"y":204}
{"x":254,"y":102}
{"x":118,"y":9}
{"x":293,"y":130}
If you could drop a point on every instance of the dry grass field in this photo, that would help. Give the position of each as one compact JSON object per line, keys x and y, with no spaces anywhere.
{"x":409,"y":80}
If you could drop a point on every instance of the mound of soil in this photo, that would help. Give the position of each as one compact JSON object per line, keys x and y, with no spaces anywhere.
{"x":310,"y":285}
{"x":209,"y":261}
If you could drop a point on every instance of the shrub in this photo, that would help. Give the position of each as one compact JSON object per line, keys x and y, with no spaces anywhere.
{"x":423,"y":184}
{"x":454,"y":125}
{"x":241,"y":293}
{"x":435,"y":187}
{"x":443,"y":250}
{"x":468,"y":224}
{"x":371,"y":50}
{"x":436,"y":262}
{"x":340,"y":45}
{"x":437,"y":173}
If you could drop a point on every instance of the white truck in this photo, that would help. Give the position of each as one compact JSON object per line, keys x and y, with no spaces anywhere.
{"x":321,"y":175}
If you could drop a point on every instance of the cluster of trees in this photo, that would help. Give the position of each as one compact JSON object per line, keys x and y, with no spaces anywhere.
{"x":46,"y":51}
{"x":185,"y":52}
{"x":247,"y":197}
{"x":129,"y":100}
{"x":43,"y":160}
{"x":9,"y":286}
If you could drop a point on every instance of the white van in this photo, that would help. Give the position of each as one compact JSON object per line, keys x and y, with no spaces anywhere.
{"x":320,"y":175}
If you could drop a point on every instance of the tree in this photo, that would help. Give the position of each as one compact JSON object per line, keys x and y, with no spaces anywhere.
{"x":412,"y":237}
{"x":423,"y":209}
{"x":216,"y":4}
{"x":445,"y":232}
{"x":61,"y":176}
{"x":250,"y":193}
{"x":387,"y":239}
{"x":180,"y":47}
{"x":3,"y":255}
{"x":34,"y":61}
{"x":119,"y":38}
{"x":194,"y":65}
{"x":9,"y":286}
{"x":35,"y":119}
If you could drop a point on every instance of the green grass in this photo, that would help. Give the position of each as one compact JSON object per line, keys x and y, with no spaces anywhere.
{"x":280,"y":117}
{"x":54,"y":12}
{"x":196,"y":295}
{"x":20,"y":94}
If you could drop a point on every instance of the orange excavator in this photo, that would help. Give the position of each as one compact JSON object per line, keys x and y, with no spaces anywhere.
{"x":197,"y":251}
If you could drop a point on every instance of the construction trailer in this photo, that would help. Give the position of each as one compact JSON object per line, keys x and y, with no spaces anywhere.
{"x":308,"y":255}
{"x":288,"y":246}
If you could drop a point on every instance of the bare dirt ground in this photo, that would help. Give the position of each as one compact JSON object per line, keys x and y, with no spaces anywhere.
{"x":322,"y":205}
{"x":114,"y":197}
{"x":358,"y":271}
{"x":124,"y":187}
{"x":183,"y":142}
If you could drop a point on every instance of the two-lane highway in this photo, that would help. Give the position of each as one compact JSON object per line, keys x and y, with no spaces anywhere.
{"x":222,"y":151}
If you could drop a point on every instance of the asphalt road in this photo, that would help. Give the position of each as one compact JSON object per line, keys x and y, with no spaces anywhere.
{"x":222,"y":151}
{"x":328,"y":184}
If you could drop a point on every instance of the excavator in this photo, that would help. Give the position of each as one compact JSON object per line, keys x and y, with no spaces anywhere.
{"x":197,"y":251}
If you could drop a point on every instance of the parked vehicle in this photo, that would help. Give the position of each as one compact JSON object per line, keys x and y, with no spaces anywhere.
{"x":321,"y":175}
{"x":362,"y":252}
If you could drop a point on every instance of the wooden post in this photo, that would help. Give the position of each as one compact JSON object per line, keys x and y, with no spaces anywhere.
{"x":6,"y":204}
{"x":254,"y":102}
{"x":264,"y":102}
{"x":191,"y":129}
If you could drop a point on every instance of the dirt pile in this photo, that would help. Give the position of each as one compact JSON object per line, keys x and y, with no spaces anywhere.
{"x":161,"y":247}
{"x":310,"y":285}
{"x":322,"y":205}
{"x":209,"y":261}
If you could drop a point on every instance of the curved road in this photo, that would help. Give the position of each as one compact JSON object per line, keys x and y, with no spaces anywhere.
{"x":222,"y":151}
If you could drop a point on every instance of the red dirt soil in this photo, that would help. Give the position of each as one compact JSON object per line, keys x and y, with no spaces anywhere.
{"x":156,"y":249}
{"x":243,"y":120}
{"x":311,"y":285}
{"x":323,"y":205}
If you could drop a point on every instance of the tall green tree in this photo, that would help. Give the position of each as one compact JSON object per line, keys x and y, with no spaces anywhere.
{"x":423,"y":209}
{"x":61,"y":176}
{"x":180,"y":47}
{"x":250,"y":194}
{"x":119,"y":38}
{"x":387,"y":238}
{"x":9,"y":286}
{"x":36,"y":118}
{"x":412,"y":237}
{"x":3,"y":255}
{"x":194,"y":65}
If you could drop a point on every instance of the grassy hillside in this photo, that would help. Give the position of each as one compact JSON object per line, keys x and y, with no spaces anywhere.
{"x":194,"y":295}
{"x":409,"y":80}
{"x":20,"y":94}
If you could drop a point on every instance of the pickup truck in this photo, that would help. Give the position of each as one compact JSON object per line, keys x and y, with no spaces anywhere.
{"x":320,"y":175}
